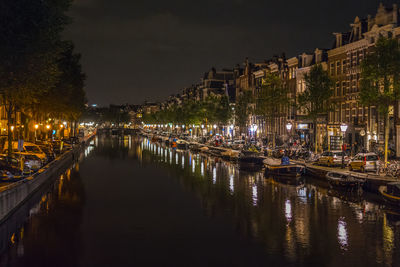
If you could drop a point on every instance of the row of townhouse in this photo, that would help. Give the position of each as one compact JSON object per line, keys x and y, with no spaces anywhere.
{"x":214,"y":82}
{"x":342,"y":61}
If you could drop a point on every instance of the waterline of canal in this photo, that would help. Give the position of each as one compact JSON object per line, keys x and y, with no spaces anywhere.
{"x":133,"y":202}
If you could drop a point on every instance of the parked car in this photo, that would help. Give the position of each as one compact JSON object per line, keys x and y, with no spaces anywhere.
{"x":71,"y":140}
{"x":48,"y":151}
{"x":364,"y":162}
{"x":28,"y":148}
{"x":332,"y":158}
{"x":9,"y":167}
{"x":33,"y":162}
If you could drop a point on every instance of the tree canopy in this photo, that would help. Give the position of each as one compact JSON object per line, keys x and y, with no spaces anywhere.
{"x":213,"y":110}
{"x":39,"y":73}
{"x":380,"y":79}
{"x":243,"y":108}
{"x":315,"y":99}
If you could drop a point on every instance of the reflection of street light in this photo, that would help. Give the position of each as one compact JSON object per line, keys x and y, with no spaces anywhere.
{"x":343,"y":128}
{"x":12,"y":128}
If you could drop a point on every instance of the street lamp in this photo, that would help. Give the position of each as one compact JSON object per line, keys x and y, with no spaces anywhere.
{"x":343,"y":128}
{"x":36,"y":127}
{"x":289,"y":128}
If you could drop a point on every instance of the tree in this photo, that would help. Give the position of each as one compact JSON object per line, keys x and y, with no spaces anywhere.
{"x":243,"y":109}
{"x":380,"y":80}
{"x":223,"y":112}
{"x":315,"y":98}
{"x":272,"y":101}
{"x":29,"y":51}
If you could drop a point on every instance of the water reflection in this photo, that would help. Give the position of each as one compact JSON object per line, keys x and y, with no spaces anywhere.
{"x":302,"y":222}
{"x":342,"y":234}
{"x":295,"y":225}
{"x":42,"y":212}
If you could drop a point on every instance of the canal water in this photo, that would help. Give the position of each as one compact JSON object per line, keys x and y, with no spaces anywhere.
{"x":131,"y":202}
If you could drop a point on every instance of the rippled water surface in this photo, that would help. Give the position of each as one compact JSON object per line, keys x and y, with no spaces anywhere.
{"x":130,"y":202}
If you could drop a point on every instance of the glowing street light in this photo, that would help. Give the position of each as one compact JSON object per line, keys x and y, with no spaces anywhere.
{"x":289,"y":126}
{"x":48,"y":126}
{"x":343,"y":127}
{"x":36,"y":126}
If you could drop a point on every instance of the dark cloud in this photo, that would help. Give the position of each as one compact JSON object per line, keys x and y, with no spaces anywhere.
{"x":137,"y":50}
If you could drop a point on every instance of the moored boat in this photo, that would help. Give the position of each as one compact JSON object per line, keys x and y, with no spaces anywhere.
{"x":230,"y":154}
{"x":289,"y":171}
{"x":204,"y":149}
{"x":182,"y":144}
{"x":344,"y":180}
{"x":250,"y":161}
{"x":391,"y":192}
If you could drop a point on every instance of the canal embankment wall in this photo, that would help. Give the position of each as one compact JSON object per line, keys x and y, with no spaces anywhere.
{"x":15,"y":194}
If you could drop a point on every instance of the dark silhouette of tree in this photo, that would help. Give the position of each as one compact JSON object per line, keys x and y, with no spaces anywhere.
{"x":315,"y":98}
{"x":272,"y":101}
{"x":29,"y":51}
{"x":380,"y":80}
{"x":243,"y":109}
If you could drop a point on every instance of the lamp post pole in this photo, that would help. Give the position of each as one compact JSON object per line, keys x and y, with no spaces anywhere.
{"x":289,"y":128}
{"x":343,"y":128}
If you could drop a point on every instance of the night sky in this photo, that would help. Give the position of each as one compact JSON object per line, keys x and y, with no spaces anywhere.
{"x":146,"y":50}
